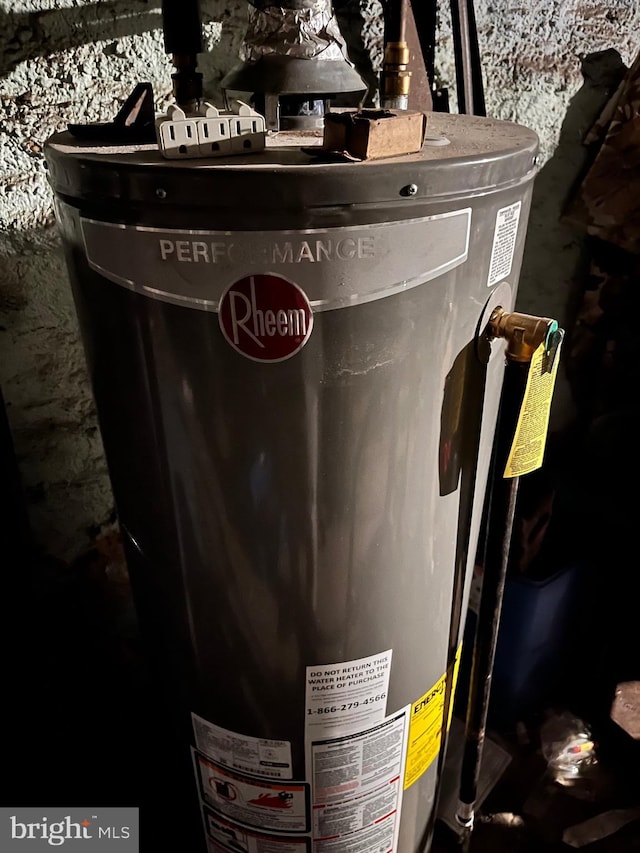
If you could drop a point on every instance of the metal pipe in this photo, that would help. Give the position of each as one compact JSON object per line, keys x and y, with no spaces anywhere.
{"x":395,"y":20}
{"x":182,"y":31}
{"x":524,"y":333}
{"x":396,"y":77}
{"x":402,"y":20}
{"x":462,"y":53}
{"x":500,"y":517}
{"x":469,"y":85}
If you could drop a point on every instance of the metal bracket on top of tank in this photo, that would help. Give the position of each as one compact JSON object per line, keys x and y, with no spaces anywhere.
{"x":133,"y":125}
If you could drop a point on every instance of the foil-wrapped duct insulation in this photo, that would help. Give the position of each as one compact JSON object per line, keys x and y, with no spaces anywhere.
{"x":295,"y":48}
{"x":309,"y":32}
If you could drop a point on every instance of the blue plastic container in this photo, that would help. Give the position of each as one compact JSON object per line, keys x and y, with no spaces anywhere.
{"x":533,"y":633}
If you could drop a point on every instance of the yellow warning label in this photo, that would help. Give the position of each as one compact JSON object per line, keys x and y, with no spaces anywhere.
{"x":527,"y":450}
{"x":425,"y":726}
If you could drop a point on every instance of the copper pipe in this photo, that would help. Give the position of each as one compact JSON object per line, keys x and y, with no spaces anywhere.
{"x":523,"y":332}
{"x":396,"y":77}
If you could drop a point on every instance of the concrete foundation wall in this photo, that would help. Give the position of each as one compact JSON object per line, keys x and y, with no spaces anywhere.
{"x":76,"y":60}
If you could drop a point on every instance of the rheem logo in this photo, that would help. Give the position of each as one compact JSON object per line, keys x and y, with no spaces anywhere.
{"x":265,"y":317}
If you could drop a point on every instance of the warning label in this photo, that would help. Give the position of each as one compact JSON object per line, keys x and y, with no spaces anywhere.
{"x":227,"y":836}
{"x":425,"y":727}
{"x":258,"y":756}
{"x":504,"y":243}
{"x":253,"y":802}
{"x":346,"y":696}
{"x":527,"y":451}
{"x":357,"y":788}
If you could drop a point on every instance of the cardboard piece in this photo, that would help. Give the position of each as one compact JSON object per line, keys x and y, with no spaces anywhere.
{"x":372,"y":134}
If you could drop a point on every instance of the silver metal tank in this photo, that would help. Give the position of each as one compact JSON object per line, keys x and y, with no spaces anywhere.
{"x":298,"y":415}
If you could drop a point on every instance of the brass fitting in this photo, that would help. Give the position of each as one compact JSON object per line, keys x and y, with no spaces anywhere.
{"x":396,"y":76}
{"x":523,"y":332}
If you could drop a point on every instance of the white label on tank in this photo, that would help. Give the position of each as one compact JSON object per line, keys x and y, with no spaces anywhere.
{"x":343,"y":697}
{"x":271,"y":806}
{"x":504,"y":242}
{"x":227,"y":836}
{"x":270,"y":759}
{"x":357,"y":788}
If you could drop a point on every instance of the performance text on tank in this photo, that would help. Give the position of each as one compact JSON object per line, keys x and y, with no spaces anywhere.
{"x":285,"y":252}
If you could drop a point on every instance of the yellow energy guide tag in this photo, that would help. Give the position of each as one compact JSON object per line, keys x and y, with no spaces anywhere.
{"x":425,"y":726}
{"x":529,"y":441}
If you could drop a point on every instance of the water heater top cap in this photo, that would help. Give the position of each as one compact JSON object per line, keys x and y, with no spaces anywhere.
{"x":483,"y":156}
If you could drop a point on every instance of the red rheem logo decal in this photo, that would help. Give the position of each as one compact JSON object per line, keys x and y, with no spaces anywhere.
{"x":265,"y":317}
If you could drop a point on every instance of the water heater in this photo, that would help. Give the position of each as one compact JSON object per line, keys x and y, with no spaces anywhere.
{"x":298,"y":406}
